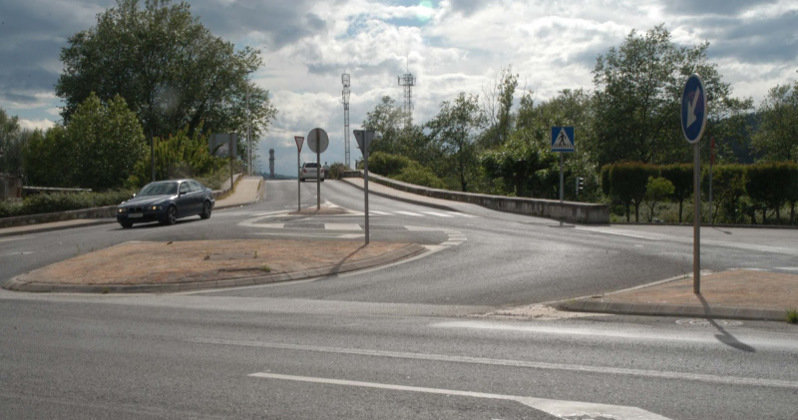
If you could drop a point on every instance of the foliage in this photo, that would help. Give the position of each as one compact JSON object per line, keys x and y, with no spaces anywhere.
{"x":455,"y":128}
{"x":386,"y":120}
{"x":497,"y":109}
{"x":520,"y":167}
{"x":771,"y":185}
{"x":628,"y":183}
{"x":178,"y":156}
{"x":638,"y":92}
{"x":337,"y":170}
{"x":169,"y":68}
{"x":97,"y":150}
{"x":777,"y":137}
{"x":56,"y":202}
{"x":681,"y":177}
{"x":419,"y":175}
{"x":387,"y":164}
{"x":11,"y":144}
{"x":729,"y":188}
{"x":657,"y":189}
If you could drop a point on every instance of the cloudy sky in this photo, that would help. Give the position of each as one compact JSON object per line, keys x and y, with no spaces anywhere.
{"x":449,"y":45}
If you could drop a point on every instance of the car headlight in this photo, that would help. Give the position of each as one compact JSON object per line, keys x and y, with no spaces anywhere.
{"x":155,"y":208}
{"x":120,"y":210}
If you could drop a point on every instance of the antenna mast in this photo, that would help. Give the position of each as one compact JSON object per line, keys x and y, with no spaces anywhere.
{"x":407,"y":81}
{"x":345,"y":94}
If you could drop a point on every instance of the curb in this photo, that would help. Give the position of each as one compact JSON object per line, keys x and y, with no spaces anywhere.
{"x":672,"y":310}
{"x":410,"y":250}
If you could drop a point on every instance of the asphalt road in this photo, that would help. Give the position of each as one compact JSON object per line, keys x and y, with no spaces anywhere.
{"x":406,"y":341}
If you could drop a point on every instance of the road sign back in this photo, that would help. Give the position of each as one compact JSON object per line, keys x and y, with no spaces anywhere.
{"x":318,"y":140}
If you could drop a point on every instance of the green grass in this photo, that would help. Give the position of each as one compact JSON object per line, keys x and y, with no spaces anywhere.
{"x":792,"y":316}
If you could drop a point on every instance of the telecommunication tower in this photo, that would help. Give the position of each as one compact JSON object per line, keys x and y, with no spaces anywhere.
{"x":407,"y":80}
{"x":345,"y":94}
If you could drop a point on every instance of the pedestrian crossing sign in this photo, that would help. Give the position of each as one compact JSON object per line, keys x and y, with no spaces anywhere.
{"x":562,"y":139}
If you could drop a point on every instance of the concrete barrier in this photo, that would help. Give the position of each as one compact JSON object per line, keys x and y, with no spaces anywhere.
{"x":567,"y":211}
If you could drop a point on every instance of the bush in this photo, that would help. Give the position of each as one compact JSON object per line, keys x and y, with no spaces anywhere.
{"x":628,"y":184}
{"x":337,"y":170}
{"x":419,"y":175}
{"x":55,"y":202}
{"x":387,"y":164}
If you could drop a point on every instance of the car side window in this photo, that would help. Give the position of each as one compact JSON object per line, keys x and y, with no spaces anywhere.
{"x":184,"y":188}
{"x":195,"y":186}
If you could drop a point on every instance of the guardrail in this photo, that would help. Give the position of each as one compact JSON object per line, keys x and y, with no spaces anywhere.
{"x":566,"y":211}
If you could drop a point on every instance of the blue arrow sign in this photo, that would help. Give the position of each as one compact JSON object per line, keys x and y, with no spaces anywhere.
{"x":694,"y":109}
{"x":562,"y":139}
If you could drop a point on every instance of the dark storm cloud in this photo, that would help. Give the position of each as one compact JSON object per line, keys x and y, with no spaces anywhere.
{"x":755,"y":41}
{"x":283,"y":22}
{"x":705,"y":7}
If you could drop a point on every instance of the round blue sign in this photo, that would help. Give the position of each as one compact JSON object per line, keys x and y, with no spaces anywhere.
{"x":694,"y":109}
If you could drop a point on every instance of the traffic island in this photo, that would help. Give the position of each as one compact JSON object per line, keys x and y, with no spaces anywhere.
{"x":733,"y":294}
{"x":164,"y":267}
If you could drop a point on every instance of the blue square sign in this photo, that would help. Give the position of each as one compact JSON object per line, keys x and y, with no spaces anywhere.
{"x":562,"y":139}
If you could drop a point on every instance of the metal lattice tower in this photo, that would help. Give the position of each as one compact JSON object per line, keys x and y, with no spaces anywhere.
{"x":407,"y":80}
{"x":345,"y":94}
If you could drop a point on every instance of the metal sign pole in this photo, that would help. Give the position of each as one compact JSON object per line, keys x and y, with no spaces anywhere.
{"x":318,"y":179}
{"x":697,"y":219}
{"x":366,"y":188}
{"x":562,"y":183}
{"x":298,"y":184}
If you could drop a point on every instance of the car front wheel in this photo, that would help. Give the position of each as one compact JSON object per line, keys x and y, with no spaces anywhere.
{"x":206,"y":210}
{"x":171,"y":216}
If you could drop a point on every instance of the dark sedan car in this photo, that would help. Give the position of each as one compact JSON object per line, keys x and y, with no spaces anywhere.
{"x":165,"y":202}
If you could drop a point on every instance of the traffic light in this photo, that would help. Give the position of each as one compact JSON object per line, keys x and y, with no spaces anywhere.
{"x":580,"y":184}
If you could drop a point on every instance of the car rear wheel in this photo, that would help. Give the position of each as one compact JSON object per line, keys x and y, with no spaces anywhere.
{"x":171,"y":216}
{"x":206,"y":210}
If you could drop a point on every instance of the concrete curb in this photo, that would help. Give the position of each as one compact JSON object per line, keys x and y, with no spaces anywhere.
{"x":410,"y":250}
{"x":672,"y":310}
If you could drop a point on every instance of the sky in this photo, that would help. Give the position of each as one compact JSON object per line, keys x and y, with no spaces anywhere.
{"x":450,"y":46}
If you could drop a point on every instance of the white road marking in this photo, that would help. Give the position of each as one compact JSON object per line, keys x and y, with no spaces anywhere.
{"x":560,"y":408}
{"x":621,"y":232}
{"x":604,"y":370}
{"x":433,"y":213}
{"x":409,"y":213}
{"x":378,"y":213}
{"x":343,"y":226}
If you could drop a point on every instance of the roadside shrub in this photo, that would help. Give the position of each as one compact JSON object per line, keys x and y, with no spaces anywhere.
{"x":681,"y":176}
{"x":628,"y":184}
{"x":387,"y":164}
{"x":657,"y":189}
{"x":337,"y":170}
{"x":48,"y":203}
{"x":419,"y":175}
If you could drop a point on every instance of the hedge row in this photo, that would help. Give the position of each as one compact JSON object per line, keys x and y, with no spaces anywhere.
{"x":739,"y":191}
{"x":48,"y":203}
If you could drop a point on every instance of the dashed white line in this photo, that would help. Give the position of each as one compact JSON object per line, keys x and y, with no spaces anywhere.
{"x":409,"y":213}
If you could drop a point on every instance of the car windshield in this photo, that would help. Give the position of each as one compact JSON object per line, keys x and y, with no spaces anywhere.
{"x":159,"y":188}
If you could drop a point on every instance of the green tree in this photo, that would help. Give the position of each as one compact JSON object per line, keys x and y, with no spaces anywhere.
{"x":177,"y":156}
{"x":455,"y":127}
{"x":681,"y":177}
{"x":11,"y":144}
{"x":386,"y":120}
{"x":777,"y":137}
{"x":49,"y":159}
{"x":638,"y":94}
{"x":628,"y":183}
{"x":498,"y":109}
{"x":657,"y":189}
{"x":106,"y":141}
{"x":168,"y":67}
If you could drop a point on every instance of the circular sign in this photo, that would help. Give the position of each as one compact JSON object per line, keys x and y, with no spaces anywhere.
{"x":694,"y":109}
{"x":318,"y":140}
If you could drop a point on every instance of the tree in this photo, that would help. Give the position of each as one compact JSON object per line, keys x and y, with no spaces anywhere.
{"x":638,"y":94}
{"x":497,"y":109}
{"x":777,"y":137}
{"x":455,"y":128}
{"x":11,"y":144}
{"x":386,"y":120}
{"x":168,"y":67}
{"x":657,"y":189}
{"x":681,"y":177}
{"x":177,"y":156}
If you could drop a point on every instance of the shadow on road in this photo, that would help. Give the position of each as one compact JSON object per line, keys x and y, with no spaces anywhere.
{"x":724,"y":336}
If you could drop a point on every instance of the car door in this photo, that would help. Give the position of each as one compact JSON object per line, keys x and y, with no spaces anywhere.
{"x":185,"y":202}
